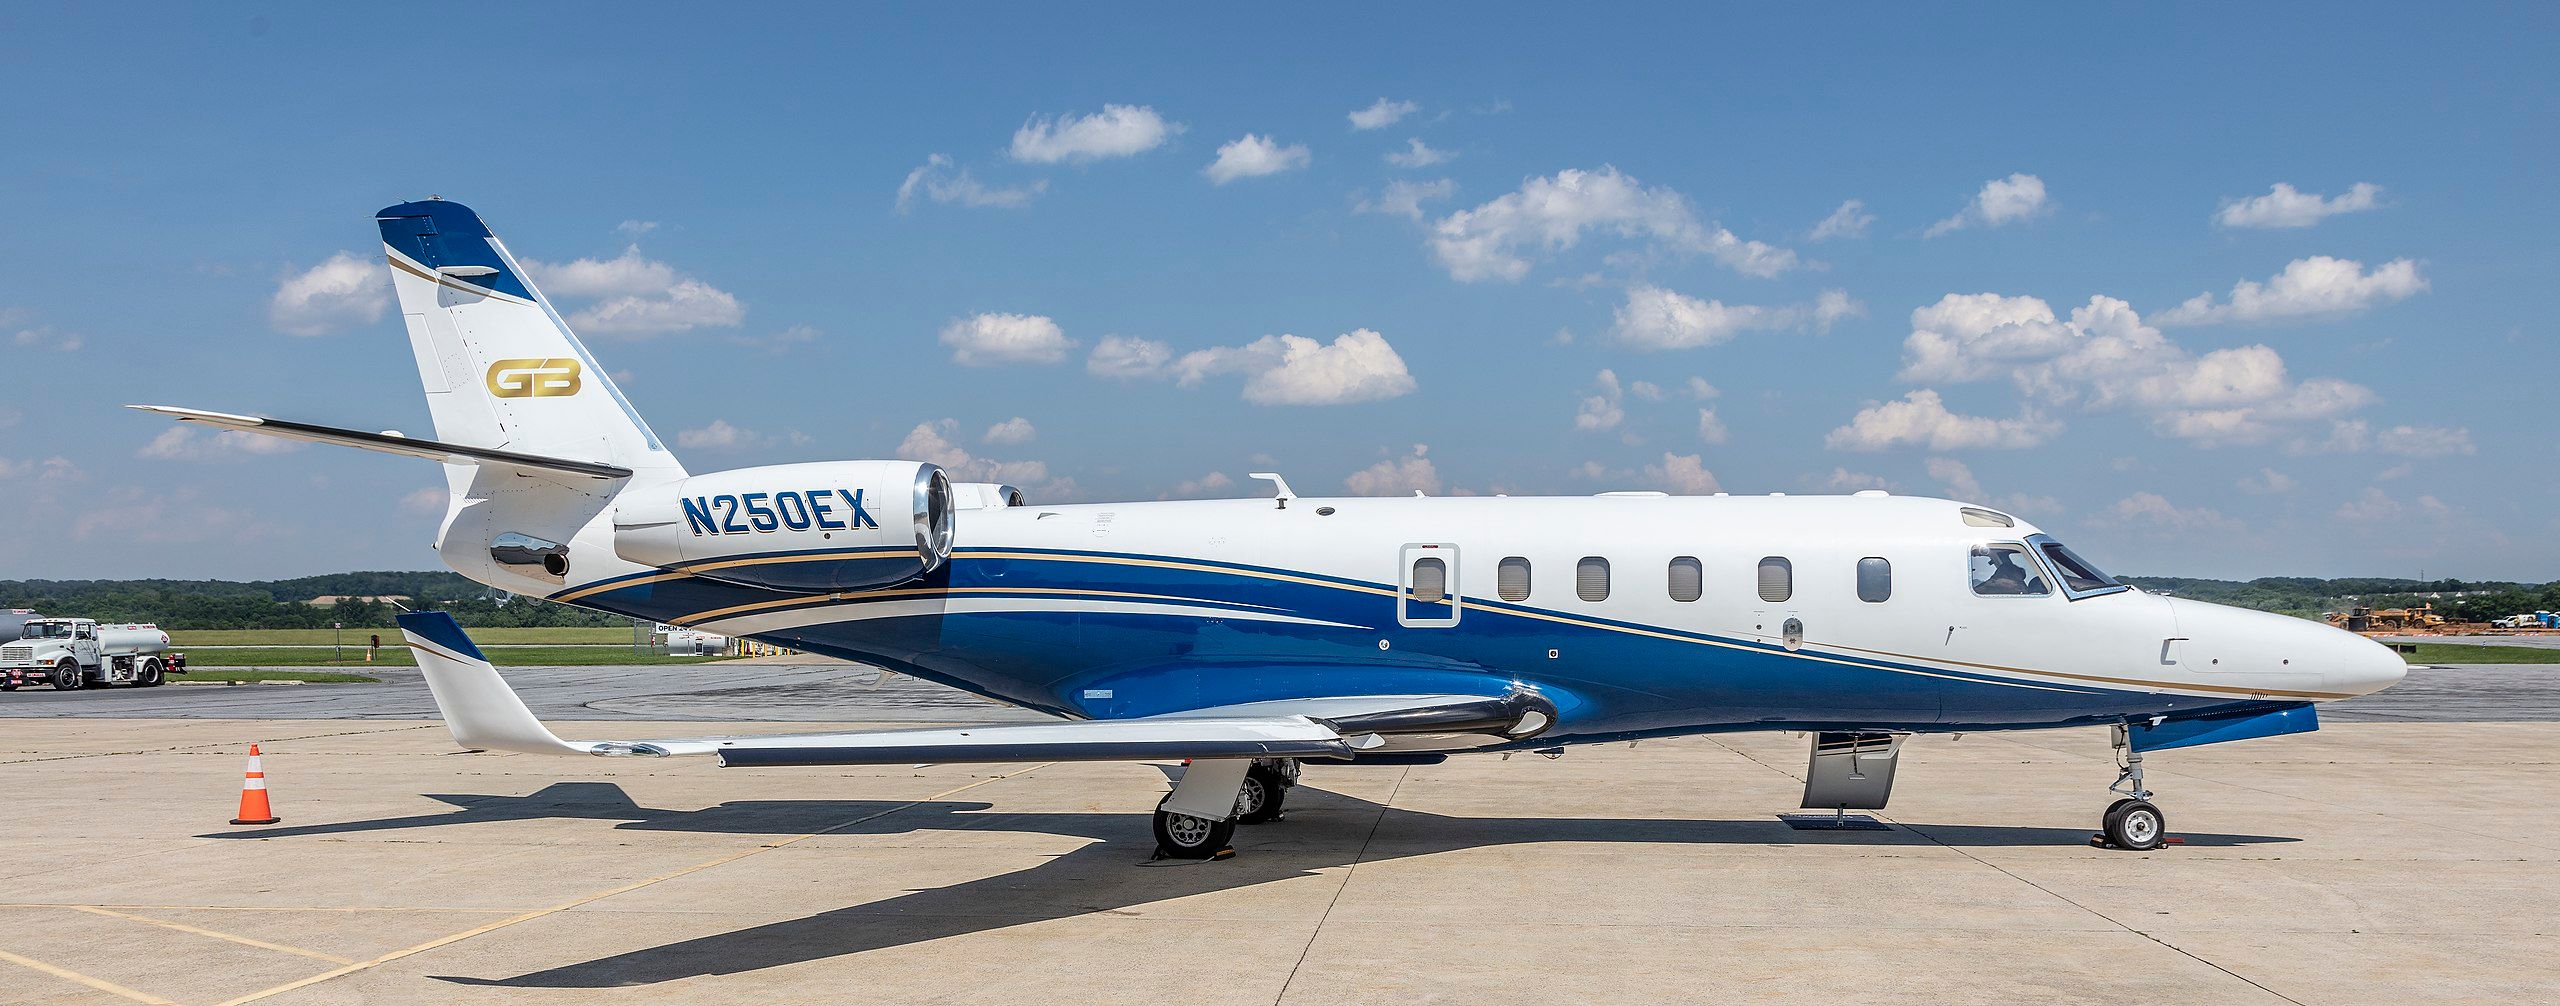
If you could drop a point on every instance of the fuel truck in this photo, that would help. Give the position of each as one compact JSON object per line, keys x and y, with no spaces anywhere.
{"x":70,"y":653}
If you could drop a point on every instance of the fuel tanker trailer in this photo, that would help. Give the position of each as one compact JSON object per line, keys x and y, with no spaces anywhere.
{"x":70,"y":653}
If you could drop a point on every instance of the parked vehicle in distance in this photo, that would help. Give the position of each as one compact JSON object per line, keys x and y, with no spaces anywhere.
{"x":71,"y":653}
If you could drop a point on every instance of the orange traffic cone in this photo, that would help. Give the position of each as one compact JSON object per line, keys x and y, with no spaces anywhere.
{"x":253,"y":795}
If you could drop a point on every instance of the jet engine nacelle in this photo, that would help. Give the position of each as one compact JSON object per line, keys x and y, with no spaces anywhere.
{"x":813,"y":528}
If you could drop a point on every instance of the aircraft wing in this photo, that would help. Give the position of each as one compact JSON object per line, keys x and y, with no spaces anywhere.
{"x":389,"y":443}
{"x":484,"y":713}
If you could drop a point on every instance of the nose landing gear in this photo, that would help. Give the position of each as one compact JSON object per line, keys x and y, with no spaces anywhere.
{"x":2132,"y":823}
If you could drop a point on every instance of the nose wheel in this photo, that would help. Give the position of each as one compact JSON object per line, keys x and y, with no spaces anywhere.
{"x":2133,"y":823}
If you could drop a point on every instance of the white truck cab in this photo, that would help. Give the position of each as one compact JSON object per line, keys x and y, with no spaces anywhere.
{"x":72,"y":653}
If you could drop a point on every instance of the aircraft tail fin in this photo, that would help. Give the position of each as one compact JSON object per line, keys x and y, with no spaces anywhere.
{"x":501,"y":368}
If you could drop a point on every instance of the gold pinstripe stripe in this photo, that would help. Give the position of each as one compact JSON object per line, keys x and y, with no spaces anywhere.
{"x":2209,"y":689}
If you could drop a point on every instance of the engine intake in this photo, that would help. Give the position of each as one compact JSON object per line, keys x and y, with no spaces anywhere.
{"x":807,"y":528}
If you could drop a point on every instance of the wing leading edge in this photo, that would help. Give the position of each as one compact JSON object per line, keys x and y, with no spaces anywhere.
{"x":484,"y":713}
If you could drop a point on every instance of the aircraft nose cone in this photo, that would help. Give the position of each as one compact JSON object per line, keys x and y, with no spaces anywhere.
{"x":2369,"y":667}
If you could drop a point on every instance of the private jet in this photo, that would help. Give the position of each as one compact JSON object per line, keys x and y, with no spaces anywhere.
{"x":1248,"y":636}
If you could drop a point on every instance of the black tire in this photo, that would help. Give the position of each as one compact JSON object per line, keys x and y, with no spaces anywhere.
{"x":149,"y":676}
{"x":2136,"y":826}
{"x":8,"y":686}
{"x":2111,"y":811}
{"x":1182,"y":836}
{"x":67,"y":677}
{"x":1259,"y":800}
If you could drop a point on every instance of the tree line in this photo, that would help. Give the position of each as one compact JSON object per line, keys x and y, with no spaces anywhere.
{"x":282,"y":604}
{"x":2309,"y":597}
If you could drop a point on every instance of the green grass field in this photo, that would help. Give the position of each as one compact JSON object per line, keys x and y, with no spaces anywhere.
{"x":399,"y":656}
{"x":244,"y":674}
{"x":390,"y":635}
{"x":2464,"y":653}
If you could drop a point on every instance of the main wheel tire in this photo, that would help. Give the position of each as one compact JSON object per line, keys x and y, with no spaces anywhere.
{"x":149,"y":676}
{"x":2137,"y":826}
{"x":1182,"y":836}
{"x":1259,"y":800}
{"x":67,"y":677}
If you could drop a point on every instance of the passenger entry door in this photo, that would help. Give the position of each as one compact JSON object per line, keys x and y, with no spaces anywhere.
{"x":1427,"y":586}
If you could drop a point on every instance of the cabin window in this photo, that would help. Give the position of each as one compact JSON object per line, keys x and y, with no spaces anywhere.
{"x":2006,"y":571}
{"x":1430,"y":580}
{"x":1875,"y":580}
{"x":1777,"y":579}
{"x":1688,"y":579}
{"x":1591,"y":578}
{"x":1511,"y":579}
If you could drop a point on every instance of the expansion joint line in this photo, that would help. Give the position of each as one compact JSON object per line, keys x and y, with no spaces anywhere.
{"x":1374,"y":824}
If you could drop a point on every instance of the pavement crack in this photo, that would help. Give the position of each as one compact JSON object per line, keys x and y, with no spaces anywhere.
{"x":1318,"y":930}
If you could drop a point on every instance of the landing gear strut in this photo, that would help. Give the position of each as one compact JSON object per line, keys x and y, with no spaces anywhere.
{"x":1199,"y":818}
{"x":2132,"y":823}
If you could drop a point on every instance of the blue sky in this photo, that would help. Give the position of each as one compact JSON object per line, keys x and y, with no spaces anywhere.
{"x":1166,"y":244}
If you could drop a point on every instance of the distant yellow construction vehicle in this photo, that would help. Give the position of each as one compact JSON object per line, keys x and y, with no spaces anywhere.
{"x":2361,"y":618}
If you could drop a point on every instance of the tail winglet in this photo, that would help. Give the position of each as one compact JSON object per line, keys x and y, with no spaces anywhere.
{"x":482,"y":712}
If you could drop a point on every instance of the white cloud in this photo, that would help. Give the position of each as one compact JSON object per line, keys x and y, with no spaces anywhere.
{"x":777,"y":342}
{"x":1116,"y":131}
{"x":2424,"y":441}
{"x":1845,"y":480}
{"x":2283,"y":206}
{"x":1710,"y":427}
{"x":2268,"y":482}
{"x":1419,"y":155}
{"x":1397,"y":476}
{"x":635,"y":228}
{"x":1016,"y":430}
{"x":1656,"y":318}
{"x":992,"y":339}
{"x":1685,"y":474}
{"x":45,"y":337}
{"x":1124,"y":356}
{"x":1956,"y":476}
{"x":187,"y":443}
{"x":1603,"y":409}
{"x":1404,"y":199}
{"x":1382,"y":113}
{"x":2153,"y":512}
{"x":2105,"y":357}
{"x":431,"y":500}
{"x":721,"y":435}
{"x":931,"y":442}
{"x":1921,"y":419}
{"x":629,"y":274}
{"x":1358,"y":366}
{"x":1253,"y":156}
{"x":937,"y":179}
{"x":1849,"y":221}
{"x":2308,"y":287}
{"x":2373,"y":506}
{"x":1701,"y":390}
{"x":2002,"y":201}
{"x":341,"y":293}
{"x":1646,"y":390}
{"x":689,"y":304}
{"x":639,"y":295}
{"x":1214,"y":482}
{"x":1550,"y":214}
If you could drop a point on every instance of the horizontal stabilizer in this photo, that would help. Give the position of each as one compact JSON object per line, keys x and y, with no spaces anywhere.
{"x":389,"y":443}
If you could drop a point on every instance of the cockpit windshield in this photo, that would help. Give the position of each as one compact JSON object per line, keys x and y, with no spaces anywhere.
{"x":2080,"y":578}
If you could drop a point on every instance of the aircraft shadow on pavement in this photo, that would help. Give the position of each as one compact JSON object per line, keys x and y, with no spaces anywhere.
{"x":1322,"y":829}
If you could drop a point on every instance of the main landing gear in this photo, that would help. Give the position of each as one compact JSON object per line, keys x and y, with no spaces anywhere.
{"x":2132,"y":823}
{"x":1243,"y":792}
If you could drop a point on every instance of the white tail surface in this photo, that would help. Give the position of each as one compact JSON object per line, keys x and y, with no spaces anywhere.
{"x":500,"y":366}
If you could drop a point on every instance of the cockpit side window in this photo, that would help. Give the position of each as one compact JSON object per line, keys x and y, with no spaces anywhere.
{"x":2079,"y":578}
{"x":2006,"y":570}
